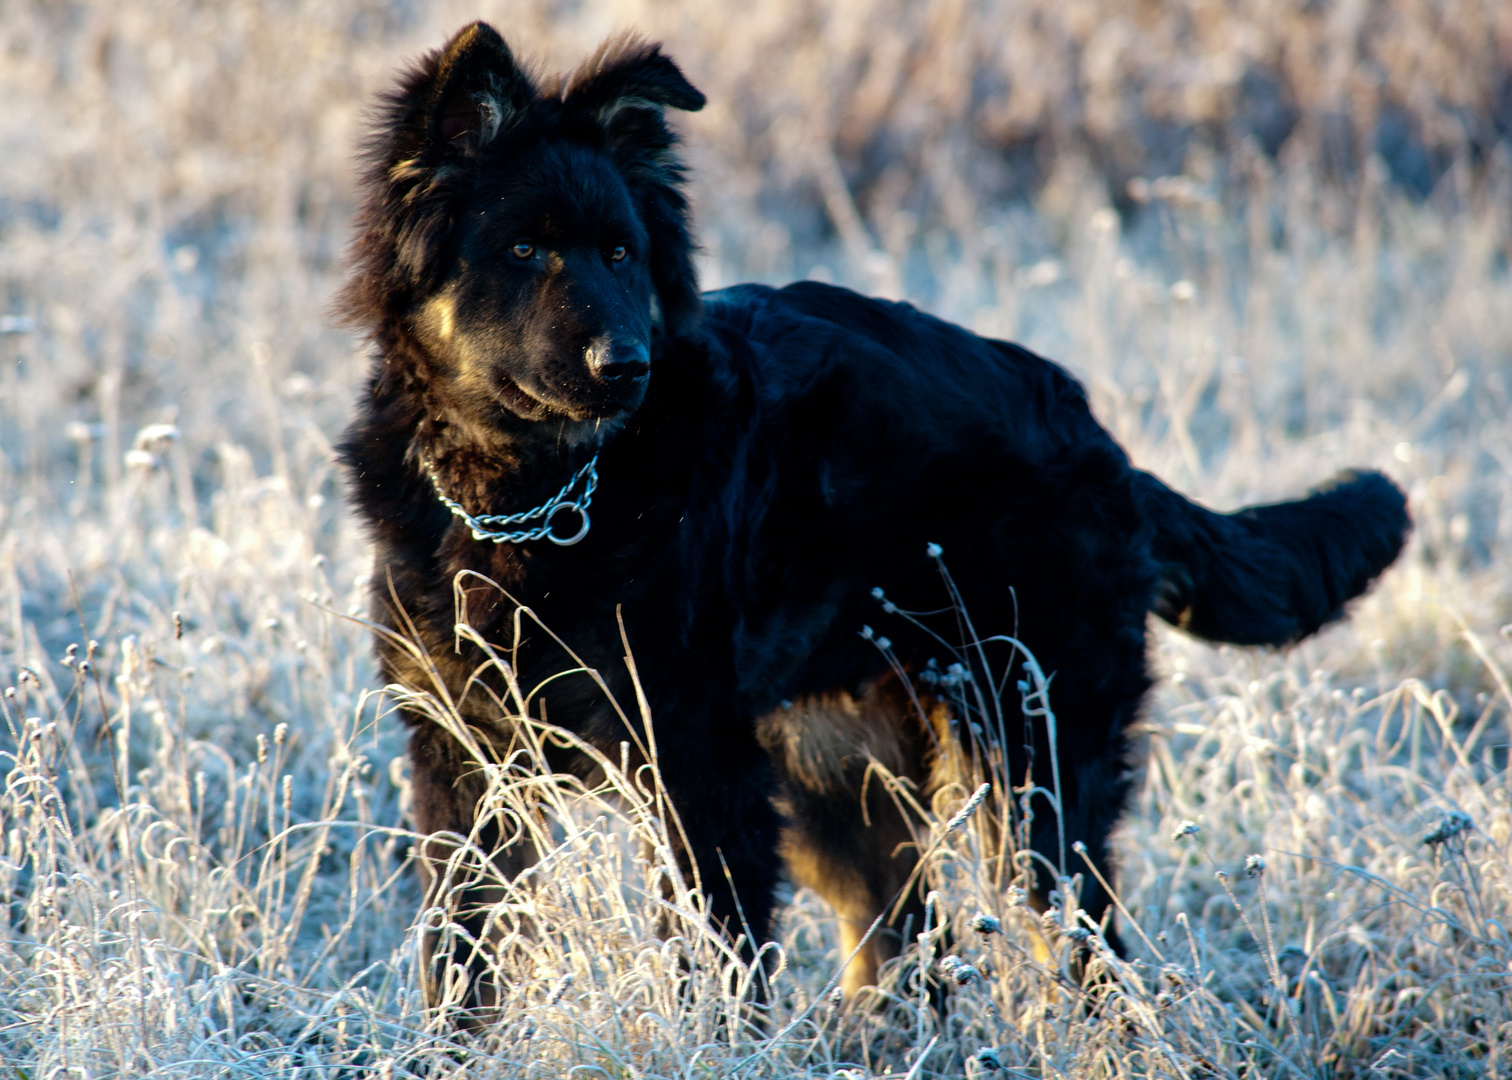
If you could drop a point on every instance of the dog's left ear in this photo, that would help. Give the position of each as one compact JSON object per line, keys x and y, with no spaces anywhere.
{"x":627,"y":73}
{"x":624,"y":90}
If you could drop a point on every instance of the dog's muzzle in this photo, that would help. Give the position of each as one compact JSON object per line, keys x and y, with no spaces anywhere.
{"x":622,"y":366}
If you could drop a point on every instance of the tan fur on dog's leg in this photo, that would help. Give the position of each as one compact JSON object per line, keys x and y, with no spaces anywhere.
{"x":848,"y":836}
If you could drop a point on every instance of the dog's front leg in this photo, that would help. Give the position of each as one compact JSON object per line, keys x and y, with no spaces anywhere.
{"x":721,"y":789}
{"x":464,"y":882}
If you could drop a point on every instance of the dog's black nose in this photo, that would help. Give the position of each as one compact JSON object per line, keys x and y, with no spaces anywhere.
{"x":619,"y":363}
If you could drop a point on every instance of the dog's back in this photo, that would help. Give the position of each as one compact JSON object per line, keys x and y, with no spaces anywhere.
{"x":912,"y":403}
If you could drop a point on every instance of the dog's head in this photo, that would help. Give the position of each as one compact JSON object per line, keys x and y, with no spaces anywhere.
{"x":531,"y":238}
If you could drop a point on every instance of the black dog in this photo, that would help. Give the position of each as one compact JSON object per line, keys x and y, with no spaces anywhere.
{"x":756,"y":461}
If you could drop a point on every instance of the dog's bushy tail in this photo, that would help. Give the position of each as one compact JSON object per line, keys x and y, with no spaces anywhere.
{"x":1271,"y":575}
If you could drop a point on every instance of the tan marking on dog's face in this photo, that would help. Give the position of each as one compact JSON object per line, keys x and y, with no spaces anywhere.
{"x":436,"y":321}
{"x":443,"y":312}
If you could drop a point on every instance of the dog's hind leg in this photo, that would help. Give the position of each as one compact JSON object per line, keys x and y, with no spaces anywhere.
{"x":1095,"y":696}
{"x":848,"y":768}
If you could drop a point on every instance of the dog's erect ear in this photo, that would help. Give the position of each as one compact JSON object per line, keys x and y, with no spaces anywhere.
{"x":476,"y":89}
{"x":624,"y":89}
{"x":626,"y":72}
{"x":444,"y":110}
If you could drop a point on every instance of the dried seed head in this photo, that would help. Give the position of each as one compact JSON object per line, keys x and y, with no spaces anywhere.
{"x":960,"y":816}
{"x":141,"y":460}
{"x":955,"y":675}
{"x":155,"y":437}
{"x":1454,"y":824}
{"x":958,"y":970}
{"x":983,"y":923}
{"x":1254,"y":866}
{"x":1186,"y":828}
{"x":1017,"y":897}
{"x":262,"y":748}
{"x":934,"y":551}
{"x":987,"y":1058}
{"x":560,"y":989}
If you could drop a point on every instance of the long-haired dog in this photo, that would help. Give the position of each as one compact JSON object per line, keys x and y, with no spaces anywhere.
{"x":554,"y":407}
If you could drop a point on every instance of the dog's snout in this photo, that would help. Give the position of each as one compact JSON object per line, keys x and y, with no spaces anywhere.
{"x":619,"y":362}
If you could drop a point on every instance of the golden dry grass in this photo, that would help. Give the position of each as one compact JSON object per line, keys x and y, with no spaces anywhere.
{"x":204,"y":850}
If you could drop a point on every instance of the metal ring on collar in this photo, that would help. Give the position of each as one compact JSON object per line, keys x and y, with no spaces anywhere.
{"x":575,"y":537}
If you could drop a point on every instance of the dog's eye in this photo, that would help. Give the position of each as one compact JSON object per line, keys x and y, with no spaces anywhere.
{"x":618,"y":254}
{"x":522,"y":250}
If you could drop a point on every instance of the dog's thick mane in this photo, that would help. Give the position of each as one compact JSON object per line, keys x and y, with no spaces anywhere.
{"x":469,"y":108}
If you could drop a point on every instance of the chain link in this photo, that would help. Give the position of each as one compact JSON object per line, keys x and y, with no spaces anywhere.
{"x":562,"y":500}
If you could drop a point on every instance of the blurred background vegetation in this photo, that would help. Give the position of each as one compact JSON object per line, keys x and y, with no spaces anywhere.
{"x":186,"y":168}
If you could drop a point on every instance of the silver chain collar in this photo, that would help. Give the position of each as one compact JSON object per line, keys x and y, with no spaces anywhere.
{"x":562,"y":500}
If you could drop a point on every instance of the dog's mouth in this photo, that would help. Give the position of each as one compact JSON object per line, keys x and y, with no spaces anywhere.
{"x":528,"y":406}
{"x":514,"y":398}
